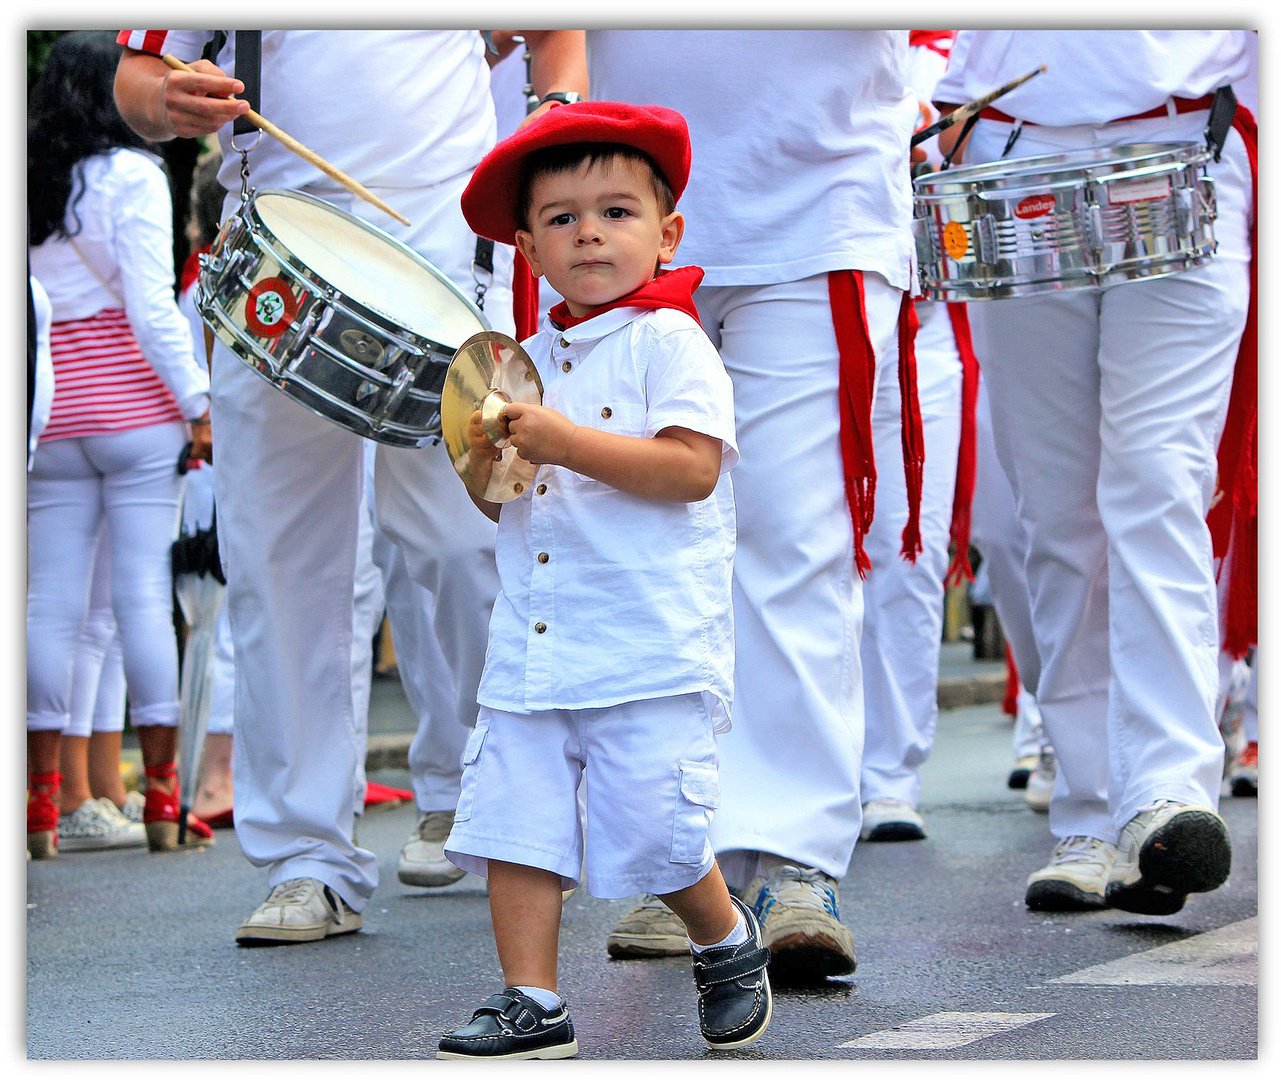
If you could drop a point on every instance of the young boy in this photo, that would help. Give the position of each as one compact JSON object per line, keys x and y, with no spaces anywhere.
{"x":611,"y":642}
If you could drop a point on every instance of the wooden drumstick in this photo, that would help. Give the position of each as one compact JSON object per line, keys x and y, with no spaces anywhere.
{"x":964,"y":112}
{"x":311,"y":156}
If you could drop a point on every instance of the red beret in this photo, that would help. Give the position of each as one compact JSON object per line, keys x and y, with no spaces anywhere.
{"x":489,"y":201}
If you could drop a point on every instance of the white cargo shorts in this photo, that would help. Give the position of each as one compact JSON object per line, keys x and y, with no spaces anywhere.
{"x":651,"y":789}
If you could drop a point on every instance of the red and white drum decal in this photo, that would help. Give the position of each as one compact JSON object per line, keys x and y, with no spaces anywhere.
{"x":1034,"y":206}
{"x":270,"y":307}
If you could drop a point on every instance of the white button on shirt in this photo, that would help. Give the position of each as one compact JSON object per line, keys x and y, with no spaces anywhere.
{"x":607,"y":597}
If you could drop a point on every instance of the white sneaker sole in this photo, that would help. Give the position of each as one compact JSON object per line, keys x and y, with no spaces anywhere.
{"x":546,"y":1053}
{"x":248,"y":935}
{"x":429,"y":875}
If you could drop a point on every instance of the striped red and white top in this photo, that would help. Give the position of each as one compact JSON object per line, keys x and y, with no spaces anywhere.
{"x":102,"y":382}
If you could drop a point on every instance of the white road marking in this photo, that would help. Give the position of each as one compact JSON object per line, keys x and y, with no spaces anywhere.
{"x":1228,"y":956}
{"x":943,"y":1031}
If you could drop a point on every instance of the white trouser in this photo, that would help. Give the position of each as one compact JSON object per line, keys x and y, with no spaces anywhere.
{"x":1107,"y":406}
{"x":98,"y":677}
{"x":790,"y":767}
{"x":903,"y":601}
{"x":436,"y":752}
{"x":129,"y":480}
{"x":289,"y":490}
{"x":998,"y":535}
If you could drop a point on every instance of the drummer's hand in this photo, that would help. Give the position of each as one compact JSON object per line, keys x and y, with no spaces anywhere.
{"x":541,"y":435}
{"x":199,"y":102}
{"x":202,"y":438}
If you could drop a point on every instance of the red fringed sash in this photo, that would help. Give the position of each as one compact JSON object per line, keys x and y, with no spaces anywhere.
{"x":857,"y":377}
{"x":963,"y":496}
{"x":1234,"y":515}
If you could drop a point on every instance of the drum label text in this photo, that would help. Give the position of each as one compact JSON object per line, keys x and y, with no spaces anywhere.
{"x":1128,"y":191}
{"x":1034,"y":206}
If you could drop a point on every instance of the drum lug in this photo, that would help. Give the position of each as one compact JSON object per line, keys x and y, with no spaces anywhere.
{"x":1209,"y":201}
{"x":985,"y":229}
{"x":1094,"y":228}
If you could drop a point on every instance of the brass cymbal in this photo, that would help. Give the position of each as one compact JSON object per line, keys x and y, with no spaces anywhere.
{"x":488,"y":371}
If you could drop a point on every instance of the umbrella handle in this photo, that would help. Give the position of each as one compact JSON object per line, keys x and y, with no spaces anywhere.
{"x":184,"y":459}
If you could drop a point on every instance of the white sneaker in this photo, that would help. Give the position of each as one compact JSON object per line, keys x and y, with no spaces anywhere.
{"x":651,"y":928}
{"x":300,"y":909}
{"x":135,"y":803}
{"x":801,"y":925}
{"x":891,"y":819}
{"x":1040,"y":784}
{"x":1166,"y":851}
{"x":1076,"y":878}
{"x":422,"y":859}
{"x":97,"y":825}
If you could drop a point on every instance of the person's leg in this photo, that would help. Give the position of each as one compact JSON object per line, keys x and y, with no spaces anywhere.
{"x":288,"y":494}
{"x":64,"y":511}
{"x":797,"y":604}
{"x":1167,"y":356}
{"x":96,"y":637}
{"x":651,"y":795}
{"x":1045,"y":423}
{"x":903,"y":602}
{"x":141,"y":494}
{"x":516,"y":824}
{"x":367,"y":613}
{"x":214,"y":799}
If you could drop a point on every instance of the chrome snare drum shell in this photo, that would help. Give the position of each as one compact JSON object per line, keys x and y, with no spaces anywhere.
{"x":1072,"y":220}
{"x":351,"y":323}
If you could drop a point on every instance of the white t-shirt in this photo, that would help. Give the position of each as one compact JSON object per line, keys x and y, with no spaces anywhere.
{"x":390,"y":108}
{"x":800,"y":144}
{"x":1092,"y":76}
{"x":925,"y":66}
{"x":633,"y":596}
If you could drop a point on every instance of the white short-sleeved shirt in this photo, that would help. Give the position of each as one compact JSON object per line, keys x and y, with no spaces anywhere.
{"x":1091,"y":76}
{"x":391,"y":108}
{"x":800,"y":144}
{"x":42,"y":399}
{"x":633,"y":597}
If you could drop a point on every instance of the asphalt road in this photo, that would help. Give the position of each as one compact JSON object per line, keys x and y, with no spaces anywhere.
{"x":131,"y":956}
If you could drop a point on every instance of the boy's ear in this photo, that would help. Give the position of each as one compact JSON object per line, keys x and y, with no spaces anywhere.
{"x":525,"y":245}
{"x":671,"y":230}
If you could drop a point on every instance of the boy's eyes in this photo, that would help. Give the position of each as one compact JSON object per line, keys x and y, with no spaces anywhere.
{"x":613,"y":213}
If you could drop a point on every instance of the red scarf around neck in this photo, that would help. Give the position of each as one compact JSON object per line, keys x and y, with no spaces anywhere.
{"x":668,"y":289}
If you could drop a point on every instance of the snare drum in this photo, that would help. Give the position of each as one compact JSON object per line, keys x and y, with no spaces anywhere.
{"x":1071,"y":220}
{"x":346,"y":320}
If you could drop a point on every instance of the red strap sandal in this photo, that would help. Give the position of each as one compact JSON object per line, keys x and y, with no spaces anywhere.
{"x":161,"y":815}
{"x":42,"y":814}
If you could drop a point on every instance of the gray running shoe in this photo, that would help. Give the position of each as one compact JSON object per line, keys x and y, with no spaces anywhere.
{"x":651,"y":928}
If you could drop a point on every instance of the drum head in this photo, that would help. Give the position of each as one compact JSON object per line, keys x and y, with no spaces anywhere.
{"x":369,"y":266}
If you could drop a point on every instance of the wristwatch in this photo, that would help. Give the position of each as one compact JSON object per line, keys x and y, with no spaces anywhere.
{"x":565,"y":97}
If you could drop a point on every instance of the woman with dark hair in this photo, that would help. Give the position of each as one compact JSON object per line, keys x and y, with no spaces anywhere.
{"x":128,"y":394}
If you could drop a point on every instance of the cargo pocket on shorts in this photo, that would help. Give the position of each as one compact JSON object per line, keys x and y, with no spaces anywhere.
{"x":471,"y":752}
{"x":700,"y":794}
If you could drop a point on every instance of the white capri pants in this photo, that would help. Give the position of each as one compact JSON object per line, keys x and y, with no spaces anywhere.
{"x":903,"y":601}
{"x":98,"y":680}
{"x":129,"y":480}
{"x":790,"y":771}
{"x":1107,"y":407}
{"x":649,"y":772}
{"x":289,"y":488}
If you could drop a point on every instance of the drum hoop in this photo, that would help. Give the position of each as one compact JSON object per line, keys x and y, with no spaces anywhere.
{"x":262,"y":232}
{"x":1025,"y":170}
